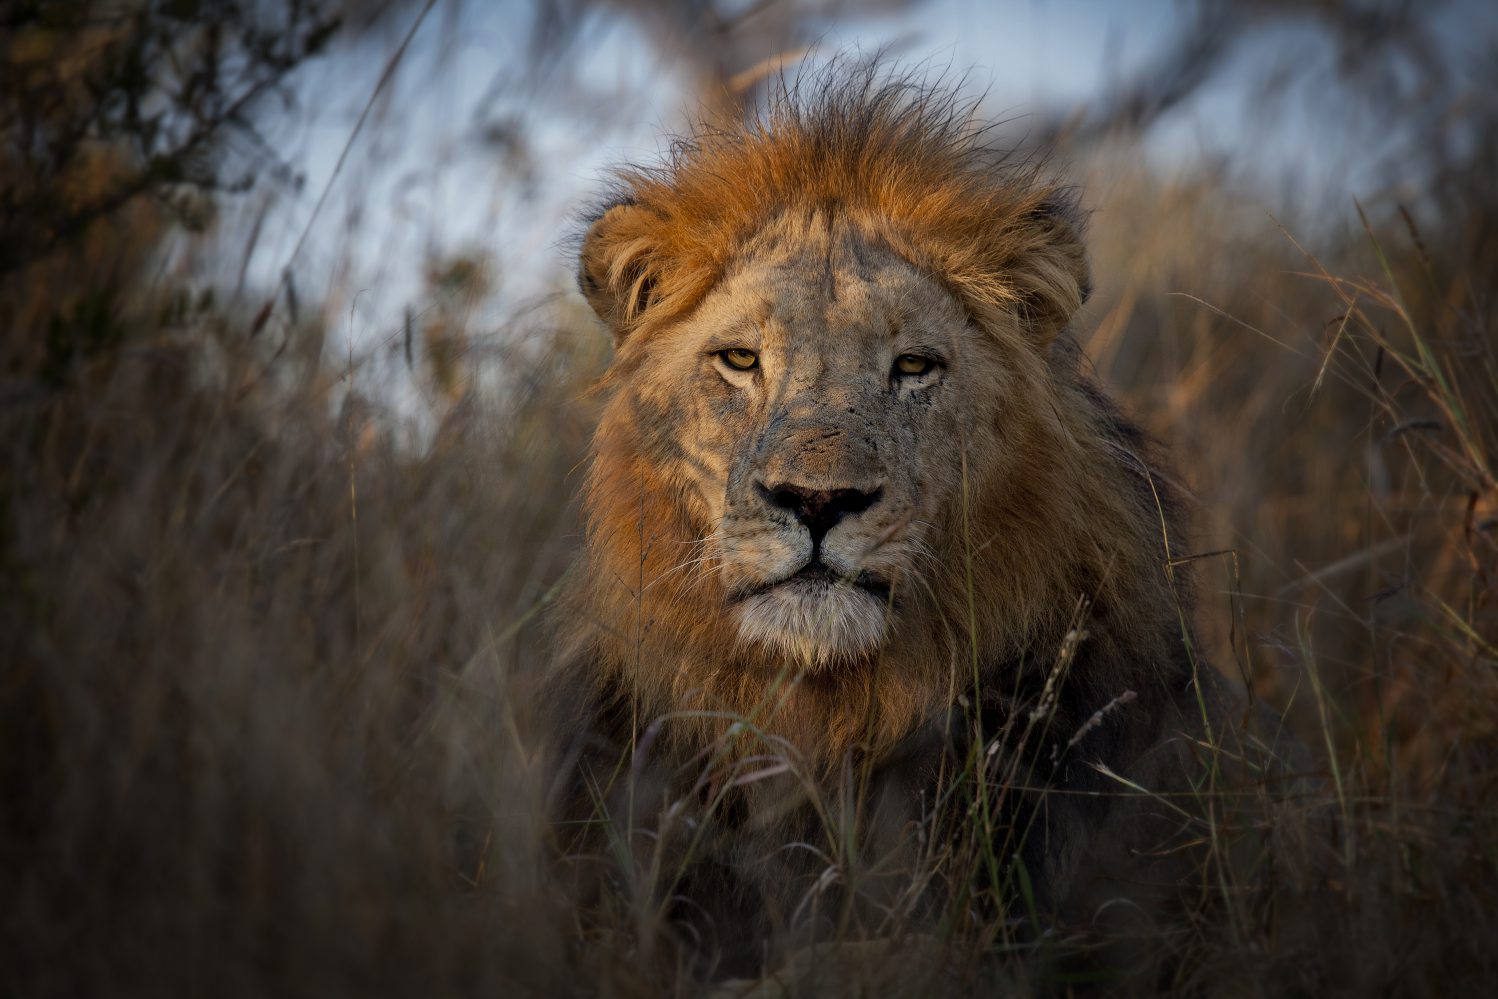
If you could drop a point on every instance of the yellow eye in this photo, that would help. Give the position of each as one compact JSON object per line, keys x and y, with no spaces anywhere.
{"x":913,"y":364}
{"x":739,"y":359}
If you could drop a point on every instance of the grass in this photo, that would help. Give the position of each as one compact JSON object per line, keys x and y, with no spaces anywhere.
{"x":266,"y":644}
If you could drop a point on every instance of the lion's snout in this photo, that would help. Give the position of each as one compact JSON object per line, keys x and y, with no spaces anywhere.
{"x":796,"y":543}
{"x":818,"y":510}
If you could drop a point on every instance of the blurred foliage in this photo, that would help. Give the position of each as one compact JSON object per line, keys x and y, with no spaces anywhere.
{"x":104,"y":102}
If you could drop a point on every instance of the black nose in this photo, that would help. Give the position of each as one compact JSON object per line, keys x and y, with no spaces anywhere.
{"x":818,"y":509}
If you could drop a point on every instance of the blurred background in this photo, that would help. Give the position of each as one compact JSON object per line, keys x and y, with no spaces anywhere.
{"x":294,"y":394}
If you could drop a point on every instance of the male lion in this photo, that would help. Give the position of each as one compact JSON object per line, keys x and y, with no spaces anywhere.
{"x":877,"y":579}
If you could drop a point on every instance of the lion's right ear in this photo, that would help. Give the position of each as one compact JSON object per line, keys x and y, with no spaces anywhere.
{"x":616,"y":266}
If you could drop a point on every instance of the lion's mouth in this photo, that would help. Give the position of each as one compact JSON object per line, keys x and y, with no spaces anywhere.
{"x":817,"y":576}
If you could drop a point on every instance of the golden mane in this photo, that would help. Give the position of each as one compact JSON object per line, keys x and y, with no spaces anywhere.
{"x":1080,"y":520}
{"x":896,"y":158}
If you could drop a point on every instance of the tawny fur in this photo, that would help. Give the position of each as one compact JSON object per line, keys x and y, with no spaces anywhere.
{"x":1072,"y":513}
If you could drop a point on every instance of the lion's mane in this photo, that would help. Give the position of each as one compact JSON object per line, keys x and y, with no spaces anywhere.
{"x":1085,"y":518}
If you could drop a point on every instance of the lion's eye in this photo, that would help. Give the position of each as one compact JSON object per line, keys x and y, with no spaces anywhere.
{"x":913,"y":364}
{"x":739,"y":359}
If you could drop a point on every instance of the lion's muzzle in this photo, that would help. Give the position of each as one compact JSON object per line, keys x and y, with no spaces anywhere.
{"x":818,"y":510}
{"x":802,"y":517}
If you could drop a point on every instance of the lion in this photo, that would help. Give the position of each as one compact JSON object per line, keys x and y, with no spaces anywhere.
{"x":860,"y":526}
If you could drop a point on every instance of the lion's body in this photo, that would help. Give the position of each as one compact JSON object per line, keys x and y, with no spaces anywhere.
{"x":1000,"y":564}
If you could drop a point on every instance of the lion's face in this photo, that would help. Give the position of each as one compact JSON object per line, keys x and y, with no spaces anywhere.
{"x":844,"y":430}
{"x":814,"y":405}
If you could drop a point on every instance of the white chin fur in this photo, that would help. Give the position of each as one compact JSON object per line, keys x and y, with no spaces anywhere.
{"x":813,"y":625}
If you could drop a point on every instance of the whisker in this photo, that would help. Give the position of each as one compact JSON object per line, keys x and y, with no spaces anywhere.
{"x":889,"y":533}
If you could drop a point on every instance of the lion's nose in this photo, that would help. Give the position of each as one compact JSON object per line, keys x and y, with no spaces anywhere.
{"x":818,"y":509}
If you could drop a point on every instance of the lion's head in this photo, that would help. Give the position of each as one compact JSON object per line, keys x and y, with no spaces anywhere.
{"x":842,"y":442}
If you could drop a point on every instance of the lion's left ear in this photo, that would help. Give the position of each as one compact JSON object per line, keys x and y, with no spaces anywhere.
{"x":616,"y":266}
{"x":1051,"y":275}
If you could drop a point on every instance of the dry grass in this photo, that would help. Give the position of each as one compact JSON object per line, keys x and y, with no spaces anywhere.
{"x":264,"y":647}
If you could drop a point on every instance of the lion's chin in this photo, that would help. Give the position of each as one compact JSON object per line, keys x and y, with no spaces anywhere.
{"x":813,"y":625}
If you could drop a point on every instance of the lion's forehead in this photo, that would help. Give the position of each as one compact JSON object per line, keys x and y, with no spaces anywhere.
{"x":817,"y":297}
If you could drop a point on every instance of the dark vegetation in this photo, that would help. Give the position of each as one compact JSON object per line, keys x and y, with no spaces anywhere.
{"x":264,"y":632}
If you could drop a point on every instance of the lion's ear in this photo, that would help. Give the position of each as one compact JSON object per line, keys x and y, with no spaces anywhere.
{"x":1053,"y":278}
{"x":615,"y":267}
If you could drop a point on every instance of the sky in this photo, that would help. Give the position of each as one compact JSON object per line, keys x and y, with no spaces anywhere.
{"x":473,"y":148}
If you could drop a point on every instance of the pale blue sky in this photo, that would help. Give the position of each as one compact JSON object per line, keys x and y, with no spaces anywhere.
{"x":419,"y":180}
